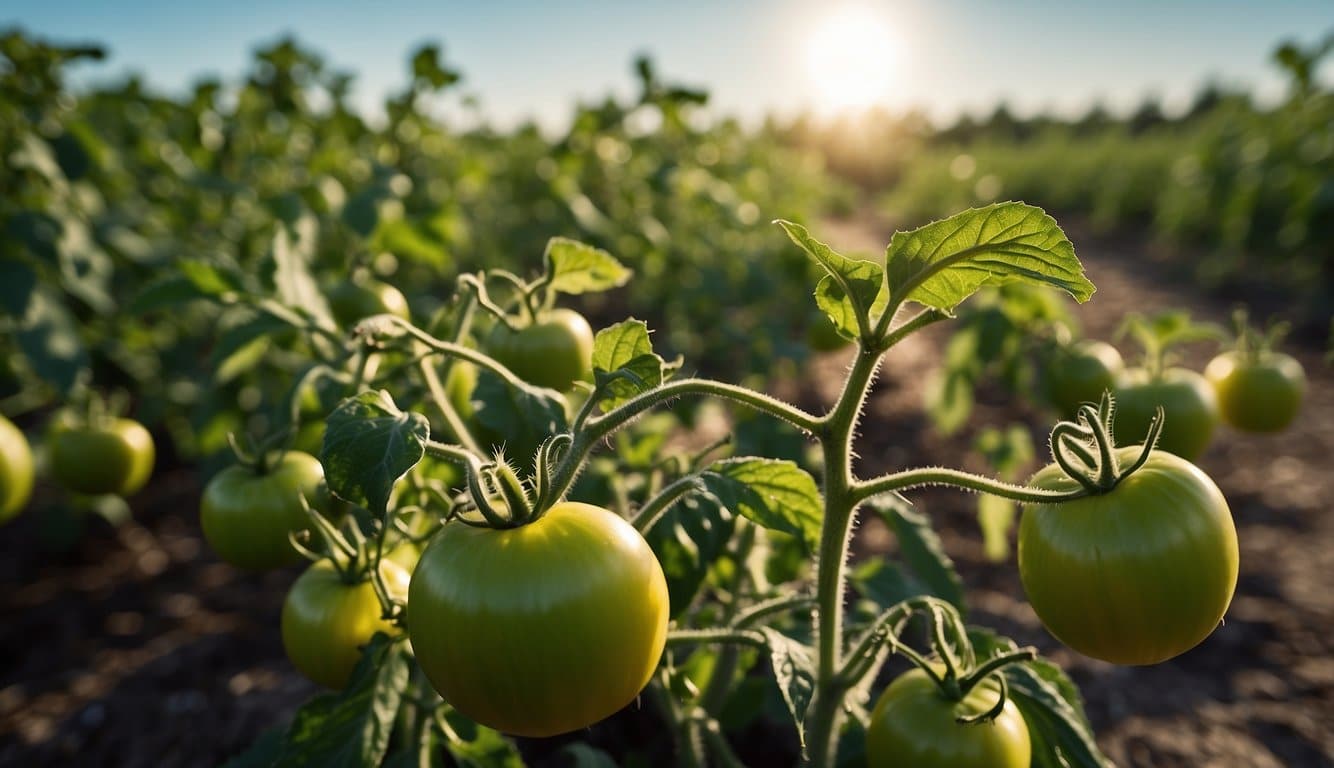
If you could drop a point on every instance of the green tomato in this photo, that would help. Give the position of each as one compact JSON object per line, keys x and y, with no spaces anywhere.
{"x":1136,"y":575}
{"x":1081,"y":373}
{"x":915,"y":726}
{"x":15,"y":470}
{"x":1188,"y":402}
{"x":459,"y":385}
{"x":247,"y":516}
{"x":115,"y":456}
{"x":542,"y":629}
{"x":352,"y":301}
{"x":823,"y":336}
{"x":554,"y":352}
{"x":327,"y":621}
{"x":1261,"y":395}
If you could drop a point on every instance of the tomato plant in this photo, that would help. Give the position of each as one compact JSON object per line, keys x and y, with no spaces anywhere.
{"x":823,"y":336}
{"x":249,"y":510}
{"x":328,"y":617}
{"x":558,"y":585}
{"x":1185,"y":397}
{"x":916,"y":724}
{"x":1189,"y":401}
{"x":100,"y":454}
{"x":351,"y":300}
{"x":1138,"y":572}
{"x":1262,"y":394}
{"x":555,"y":351}
{"x":15,"y":470}
{"x":1259,"y":389}
{"x":580,"y":578}
{"x":1080,"y":373}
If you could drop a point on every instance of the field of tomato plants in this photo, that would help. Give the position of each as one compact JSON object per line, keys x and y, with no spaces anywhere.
{"x":335,"y":441}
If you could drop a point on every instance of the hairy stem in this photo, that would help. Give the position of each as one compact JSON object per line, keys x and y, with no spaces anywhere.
{"x":916,"y":478}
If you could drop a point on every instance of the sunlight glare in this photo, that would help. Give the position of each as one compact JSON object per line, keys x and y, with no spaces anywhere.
{"x":851,"y":58}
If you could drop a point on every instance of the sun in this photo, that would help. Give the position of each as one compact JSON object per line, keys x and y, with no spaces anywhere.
{"x":851,"y":57}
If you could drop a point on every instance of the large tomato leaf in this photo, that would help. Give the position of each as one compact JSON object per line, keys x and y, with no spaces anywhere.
{"x":578,"y":268}
{"x":794,"y":669}
{"x":943,"y":263}
{"x":516,"y":416}
{"x":49,"y":338}
{"x":476,"y":746}
{"x":1051,"y":706}
{"x":351,"y":728}
{"x":624,"y":363}
{"x":773,"y":493}
{"x":368,"y":445}
{"x":921,"y":549}
{"x":853,"y":288}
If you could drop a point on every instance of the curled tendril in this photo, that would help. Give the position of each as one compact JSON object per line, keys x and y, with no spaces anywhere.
{"x":995,"y":711}
{"x":1086,"y":451}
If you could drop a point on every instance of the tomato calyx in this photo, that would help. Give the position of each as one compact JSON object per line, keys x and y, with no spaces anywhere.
{"x":1251,"y":345}
{"x":1085,"y":448}
{"x":952,"y":664}
{"x":502,"y":498}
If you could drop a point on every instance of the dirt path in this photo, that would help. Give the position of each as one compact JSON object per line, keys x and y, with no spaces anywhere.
{"x":1260,"y":691}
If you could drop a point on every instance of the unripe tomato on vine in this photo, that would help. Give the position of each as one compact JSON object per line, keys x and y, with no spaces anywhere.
{"x":16,"y":471}
{"x":1141,"y":569}
{"x":543,"y":628}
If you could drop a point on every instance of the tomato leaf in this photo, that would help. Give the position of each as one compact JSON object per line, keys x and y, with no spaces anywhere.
{"x":241,"y":345}
{"x":210,"y":279}
{"x":165,"y":293}
{"x":578,"y":268}
{"x":794,"y":669}
{"x":517,"y":415}
{"x":476,"y":746}
{"x":773,"y":493}
{"x":49,"y":338}
{"x":882,"y":582}
{"x":16,"y":289}
{"x":293,"y":251}
{"x":352,"y":728}
{"x":943,"y":263}
{"x":1051,"y":706}
{"x":689,"y":538}
{"x":853,"y":288}
{"x":368,"y":445}
{"x":624,"y":364}
{"x":921,"y":548}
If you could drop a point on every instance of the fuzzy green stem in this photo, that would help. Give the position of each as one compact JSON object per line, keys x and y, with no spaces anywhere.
{"x":915,"y":478}
{"x":836,"y":432}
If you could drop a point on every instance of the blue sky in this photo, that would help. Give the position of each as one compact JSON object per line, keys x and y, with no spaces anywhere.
{"x":534,"y":58}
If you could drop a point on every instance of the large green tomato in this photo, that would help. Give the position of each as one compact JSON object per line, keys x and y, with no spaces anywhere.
{"x":555,"y":352}
{"x":326,"y":621}
{"x":114,"y":456}
{"x":1136,"y":575}
{"x":247,"y":516}
{"x":1261,"y":395}
{"x":15,"y":469}
{"x":352,"y":301}
{"x":1081,"y":373}
{"x":1188,"y":403}
{"x":915,"y":726}
{"x":542,"y":629}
